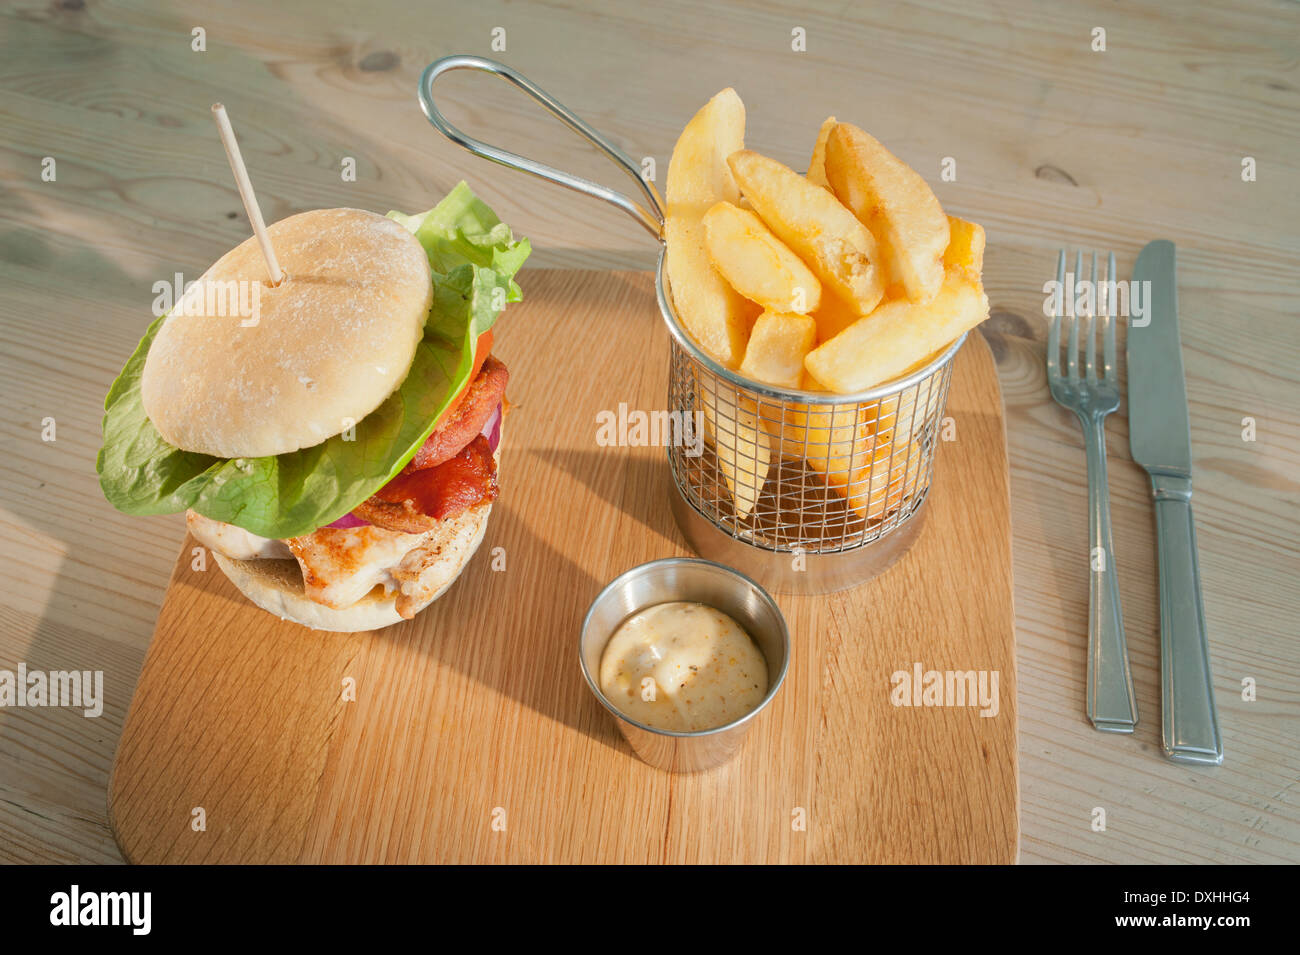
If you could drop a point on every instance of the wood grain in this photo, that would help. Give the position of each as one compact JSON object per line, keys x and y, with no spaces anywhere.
{"x":476,"y":711}
{"x":1055,"y":145}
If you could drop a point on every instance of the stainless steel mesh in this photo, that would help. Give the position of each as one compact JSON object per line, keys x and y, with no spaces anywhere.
{"x":787,"y":475}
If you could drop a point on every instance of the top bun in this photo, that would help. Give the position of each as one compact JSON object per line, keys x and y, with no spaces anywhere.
{"x":323,"y":350}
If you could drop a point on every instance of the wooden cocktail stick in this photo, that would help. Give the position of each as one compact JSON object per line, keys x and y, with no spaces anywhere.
{"x":246,"y":191}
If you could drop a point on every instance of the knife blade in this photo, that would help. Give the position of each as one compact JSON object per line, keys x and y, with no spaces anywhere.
{"x":1160,"y":435}
{"x":1160,"y":439}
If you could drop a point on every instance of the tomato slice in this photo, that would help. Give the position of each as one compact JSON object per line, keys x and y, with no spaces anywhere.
{"x":482,"y":348}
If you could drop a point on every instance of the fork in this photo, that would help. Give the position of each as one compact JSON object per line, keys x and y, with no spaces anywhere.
{"x":1092,"y":395}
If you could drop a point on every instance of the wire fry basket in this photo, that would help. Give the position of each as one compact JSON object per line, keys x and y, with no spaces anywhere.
{"x":820,"y":491}
{"x":807,"y":492}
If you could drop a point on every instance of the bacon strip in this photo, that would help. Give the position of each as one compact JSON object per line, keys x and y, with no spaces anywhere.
{"x":482,"y":398}
{"x":415,"y":501}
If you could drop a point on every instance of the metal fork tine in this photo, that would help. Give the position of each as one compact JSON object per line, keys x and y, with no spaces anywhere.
{"x":1112,"y":319}
{"x":1072,"y":358}
{"x":1090,"y":326}
{"x":1054,"y":329}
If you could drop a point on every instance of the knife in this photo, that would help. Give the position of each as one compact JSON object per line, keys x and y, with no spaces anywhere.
{"x":1160,"y":439}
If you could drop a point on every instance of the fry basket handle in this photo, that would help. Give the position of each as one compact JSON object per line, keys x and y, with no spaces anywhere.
{"x":651,"y":218}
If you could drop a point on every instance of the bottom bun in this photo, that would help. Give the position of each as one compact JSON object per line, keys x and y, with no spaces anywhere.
{"x":276,"y":585}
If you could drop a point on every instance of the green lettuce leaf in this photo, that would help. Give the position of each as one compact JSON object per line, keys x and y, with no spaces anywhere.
{"x":463,"y":229}
{"x":473,"y":257}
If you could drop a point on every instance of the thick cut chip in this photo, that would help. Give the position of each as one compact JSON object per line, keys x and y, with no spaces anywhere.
{"x":965,"y":246}
{"x":743,"y":449}
{"x":698,"y":174}
{"x":871,"y":462}
{"x":829,"y":437}
{"x":896,"y":336}
{"x":778,"y":344}
{"x":903,"y":417}
{"x":788,"y":423}
{"x":833,"y":316}
{"x":828,"y":237}
{"x":757,"y":264}
{"x":880,"y":483}
{"x":895,"y":203}
{"x":715,"y":314}
{"x":817,"y":167}
{"x":867,"y":462}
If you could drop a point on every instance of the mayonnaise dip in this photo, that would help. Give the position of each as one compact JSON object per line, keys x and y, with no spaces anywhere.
{"x":682,"y":667}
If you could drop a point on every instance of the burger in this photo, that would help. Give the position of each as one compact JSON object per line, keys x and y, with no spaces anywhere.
{"x":334,"y":439}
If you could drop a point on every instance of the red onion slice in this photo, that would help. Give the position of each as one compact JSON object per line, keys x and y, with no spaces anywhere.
{"x":349,"y":520}
{"x":492,"y":430}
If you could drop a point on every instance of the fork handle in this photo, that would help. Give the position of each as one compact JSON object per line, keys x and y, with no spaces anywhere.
{"x":1112,"y":706}
{"x":1191,"y":722}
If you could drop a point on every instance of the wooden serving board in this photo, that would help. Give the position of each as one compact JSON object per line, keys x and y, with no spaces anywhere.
{"x":472,"y":736}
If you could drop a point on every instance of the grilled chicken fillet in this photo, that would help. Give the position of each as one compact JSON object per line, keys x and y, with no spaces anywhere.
{"x":413,"y":521}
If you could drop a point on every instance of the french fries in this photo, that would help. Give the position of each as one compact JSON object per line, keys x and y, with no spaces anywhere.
{"x":757,"y":264}
{"x":882,"y":346}
{"x":877,"y":485}
{"x":866,"y":453}
{"x":835,"y":245}
{"x":895,"y":203}
{"x":860,"y":278}
{"x":777,"y":347}
{"x":698,"y":174}
{"x":868,"y":468}
{"x":714,"y":313}
{"x":817,"y":167}
{"x":833,"y":317}
{"x":744,"y":450}
{"x":717,"y":316}
{"x":900,"y":418}
{"x":965,"y":246}
{"x":828,"y":437}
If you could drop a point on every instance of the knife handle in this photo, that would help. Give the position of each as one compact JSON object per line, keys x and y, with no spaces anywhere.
{"x":1191,"y":722}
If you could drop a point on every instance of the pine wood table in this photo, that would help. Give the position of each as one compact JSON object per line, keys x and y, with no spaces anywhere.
{"x":1053,"y":143}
